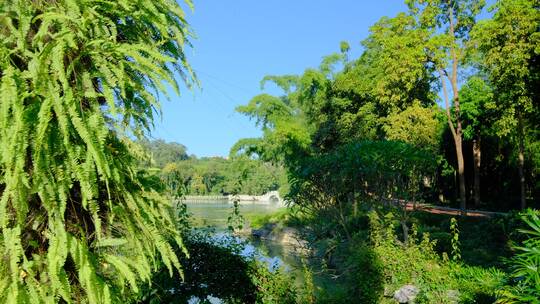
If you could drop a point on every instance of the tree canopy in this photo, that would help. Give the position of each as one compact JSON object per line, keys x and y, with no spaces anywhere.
{"x":428,"y":77}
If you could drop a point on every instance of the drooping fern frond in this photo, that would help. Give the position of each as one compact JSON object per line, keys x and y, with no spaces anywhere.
{"x":78,"y":78}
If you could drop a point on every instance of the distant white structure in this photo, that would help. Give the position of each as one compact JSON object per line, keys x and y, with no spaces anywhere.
{"x":270,"y":198}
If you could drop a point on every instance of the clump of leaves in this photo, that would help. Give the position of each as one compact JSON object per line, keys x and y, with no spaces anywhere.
{"x":218,"y":267}
{"x":525,"y":265}
{"x":454,"y":229}
{"x":391,"y":264}
{"x":78,"y":223}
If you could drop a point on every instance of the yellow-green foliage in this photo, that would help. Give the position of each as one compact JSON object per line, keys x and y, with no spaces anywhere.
{"x":282,"y":215}
{"x":416,"y":125}
{"x":77,"y":77}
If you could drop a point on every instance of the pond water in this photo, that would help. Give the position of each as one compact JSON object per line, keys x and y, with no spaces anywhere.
{"x":215,"y":214}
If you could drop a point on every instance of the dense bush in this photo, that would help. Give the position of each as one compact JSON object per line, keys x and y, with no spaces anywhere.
{"x":385,"y":264}
{"x":484,"y":241}
{"x":216,"y":268}
{"x":361,"y":175}
{"x":368,"y":276}
{"x":374,"y":268}
{"x":525,"y":287}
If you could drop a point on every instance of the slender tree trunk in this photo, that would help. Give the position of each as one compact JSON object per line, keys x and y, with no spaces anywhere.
{"x":461,"y":173}
{"x":353,"y":199}
{"x":458,"y":143}
{"x":405,"y":229}
{"x":355,"y":207}
{"x":458,"y":137}
{"x":523,"y":202}
{"x":477,"y":163}
{"x":521,"y":163}
{"x":457,"y":131}
{"x":342,"y":220}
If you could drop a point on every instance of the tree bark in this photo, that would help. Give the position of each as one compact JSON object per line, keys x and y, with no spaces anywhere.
{"x":458,"y":143}
{"x":477,"y":156}
{"x":405,"y":232}
{"x":523,"y":202}
{"x":521,"y":163}
{"x":461,"y":173}
{"x":457,"y":130}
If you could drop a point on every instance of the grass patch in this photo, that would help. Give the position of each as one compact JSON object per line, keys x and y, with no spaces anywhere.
{"x":282,"y":215}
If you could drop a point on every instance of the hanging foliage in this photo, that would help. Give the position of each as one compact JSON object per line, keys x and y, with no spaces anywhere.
{"x":78,"y":78}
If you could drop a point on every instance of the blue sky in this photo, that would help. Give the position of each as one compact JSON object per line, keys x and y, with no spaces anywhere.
{"x":239,"y":42}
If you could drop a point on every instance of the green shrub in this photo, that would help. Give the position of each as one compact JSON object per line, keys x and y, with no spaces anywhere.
{"x":483,"y":241}
{"x":367,"y":274}
{"x":443,"y":241}
{"x":337,"y":294}
{"x":280,"y":216}
{"x":216,"y":268}
{"x":417,"y":263}
{"x":525,"y":265}
{"x":475,"y":284}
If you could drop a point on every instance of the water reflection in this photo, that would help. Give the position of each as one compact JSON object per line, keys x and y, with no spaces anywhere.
{"x":215,"y":214}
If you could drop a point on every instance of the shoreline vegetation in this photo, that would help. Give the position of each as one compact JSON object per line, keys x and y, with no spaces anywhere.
{"x":472,"y":267}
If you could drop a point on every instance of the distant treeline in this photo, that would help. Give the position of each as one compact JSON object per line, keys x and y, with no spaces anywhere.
{"x":185,"y":174}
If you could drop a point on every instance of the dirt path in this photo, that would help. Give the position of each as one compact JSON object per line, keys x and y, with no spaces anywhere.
{"x":451,"y":211}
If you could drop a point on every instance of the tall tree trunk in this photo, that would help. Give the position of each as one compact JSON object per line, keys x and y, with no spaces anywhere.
{"x":521,"y":163}
{"x":457,"y":136}
{"x":477,"y":156}
{"x":461,"y":173}
{"x":457,"y":130}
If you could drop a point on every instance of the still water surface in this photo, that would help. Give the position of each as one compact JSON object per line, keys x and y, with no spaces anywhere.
{"x":215,"y":214}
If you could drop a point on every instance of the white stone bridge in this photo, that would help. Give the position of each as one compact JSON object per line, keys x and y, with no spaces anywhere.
{"x":270,"y":198}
